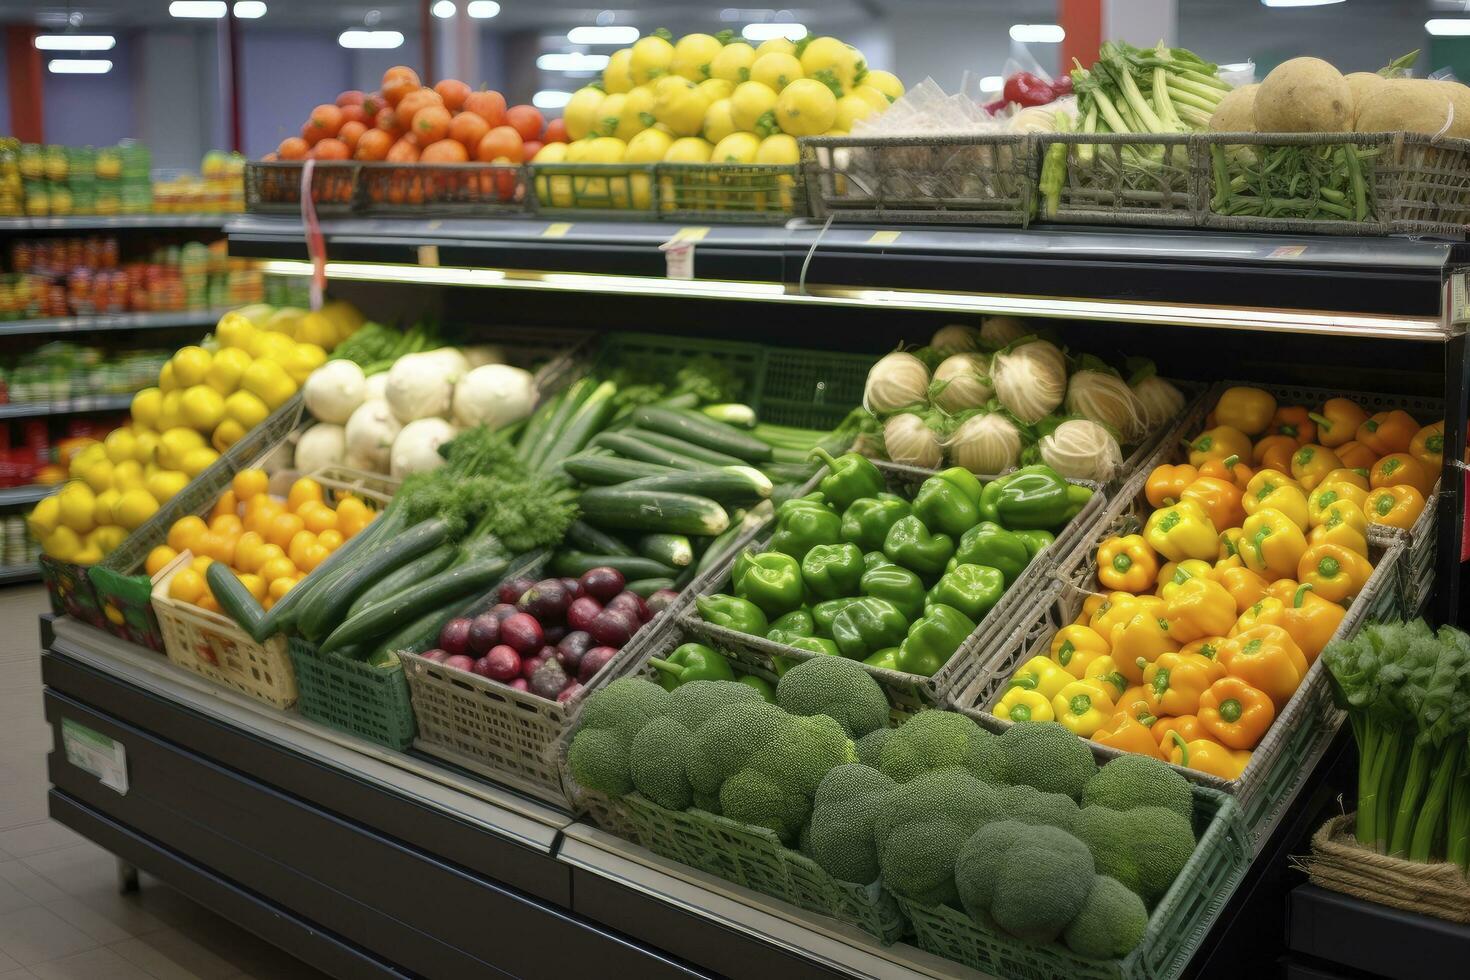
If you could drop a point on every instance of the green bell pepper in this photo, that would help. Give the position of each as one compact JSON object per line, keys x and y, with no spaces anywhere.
{"x":732,"y":613}
{"x":1032,"y":497}
{"x":793,"y":626}
{"x":831,"y":571}
{"x":949,"y":501}
{"x":823,"y":613}
{"x":771,"y":580}
{"x":933,"y":639}
{"x":850,"y":477}
{"x":816,"y":644}
{"x":875,"y":559}
{"x":1035,"y":540}
{"x":760,"y":685}
{"x":802,"y":524}
{"x":910,"y":544}
{"x":989,"y":544}
{"x":691,"y":662}
{"x":898,"y":585}
{"x":866,"y":521}
{"x":972,"y":589}
{"x":885,"y":659}
{"x":868,"y":625}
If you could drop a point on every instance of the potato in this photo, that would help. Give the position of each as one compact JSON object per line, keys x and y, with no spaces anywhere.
{"x":1409,"y":105}
{"x":1236,"y":113}
{"x":1363,"y":84}
{"x":1304,"y":95}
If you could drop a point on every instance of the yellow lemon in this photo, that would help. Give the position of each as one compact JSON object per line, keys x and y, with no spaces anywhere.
{"x":76,"y":502}
{"x":62,"y":543}
{"x":106,"y":539}
{"x":304,"y":359}
{"x":716,"y":88}
{"x":285,"y":320}
{"x":191,"y":365}
{"x":650,"y":59}
{"x":127,"y":474}
{"x":174,"y":443}
{"x":780,"y":45}
{"x":103,"y":504}
{"x":166,"y":380}
{"x":775,"y":70}
{"x":135,"y":507}
{"x":344,"y":316}
{"x":90,"y":454}
{"x":616,"y":77}
{"x":833,"y":63}
{"x":733,"y":63}
{"x":885,"y":82}
{"x":636,"y":115}
{"x":98,"y":474}
{"x":246,"y":409}
{"x":718,"y":122}
{"x":146,"y":405}
{"x":271,"y":346}
{"x":689,"y":149}
{"x":581,"y":111}
{"x":680,"y":104}
{"x":317,"y":328}
{"x":171,"y":415}
{"x":753,"y":108}
{"x":162,"y":486}
{"x":196,"y":461}
{"x":119,"y":444}
{"x":736,"y":148}
{"x":234,"y":330}
{"x":694,"y":55}
{"x":226,"y":368}
{"x":145,"y":445}
{"x":44,"y":517}
{"x":851,"y":108}
{"x":871,"y":95}
{"x":228,"y":433}
{"x":805,"y":108}
{"x":256,"y":313}
{"x":203,"y":407}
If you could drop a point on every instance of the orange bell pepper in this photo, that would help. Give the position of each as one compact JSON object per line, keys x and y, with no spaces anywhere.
{"x":1388,"y":432}
{"x":1245,"y":587}
{"x":1141,"y":639}
{"x":1333,"y":571}
{"x":1207,"y":756}
{"x":1187,"y":726}
{"x":1311,"y":463}
{"x":1357,"y":457}
{"x":1266,"y":658}
{"x":1338,"y":422}
{"x":1218,"y":498}
{"x":1221,"y":442}
{"x":1274,"y":452}
{"x":1076,"y":646}
{"x":1135,"y":703}
{"x":1165,"y":483}
{"x":1199,"y":607}
{"x":1246,"y":409}
{"x":1235,"y":714}
{"x":1398,"y":469}
{"x":1173,"y":683}
{"x":1310,"y":619}
{"x":1126,"y":564}
{"x":1230,"y":469}
{"x":1294,"y":422}
{"x":1428,"y":446}
{"x":1127,"y":734}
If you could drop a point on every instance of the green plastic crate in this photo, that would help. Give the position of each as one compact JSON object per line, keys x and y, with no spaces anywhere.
{"x":352,"y":696}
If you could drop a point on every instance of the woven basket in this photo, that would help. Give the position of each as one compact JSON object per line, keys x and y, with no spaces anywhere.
{"x":275,"y":187}
{"x":1119,"y":179}
{"x":460,"y":189}
{"x":1340,"y":863}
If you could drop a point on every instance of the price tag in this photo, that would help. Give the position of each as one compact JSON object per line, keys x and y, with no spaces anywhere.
{"x":429,"y":255}
{"x":678,"y":258}
{"x":690,"y":234}
{"x":1287,"y":252}
{"x":1459,"y":299}
{"x":93,"y":752}
{"x":884,"y":237}
{"x":556,"y":229}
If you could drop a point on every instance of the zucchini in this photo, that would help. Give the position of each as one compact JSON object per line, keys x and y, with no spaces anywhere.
{"x":653,"y":510}
{"x":646,"y":587}
{"x":594,"y":413}
{"x":781,"y":454}
{"x":235,"y":601}
{"x":630,"y":444}
{"x":424,"y":566}
{"x":674,"y":444}
{"x":471,"y":578}
{"x":595,"y":540}
{"x":536,"y":427}
{"x":673,"y":550}
{"x":728,"y":485}
{"x":789,"y":472}
{"x":574,"y":564}
{"x":686,"y":399}
{"x":732,"y":413}
{"x":701,"y":430}
{"x":601,"y":471}
{"x":722,"y":547}
{"x":572,"y":400}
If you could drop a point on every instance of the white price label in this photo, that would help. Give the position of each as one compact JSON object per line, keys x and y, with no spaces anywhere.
{"x":93,"y":752}
{"x":678,"y":258}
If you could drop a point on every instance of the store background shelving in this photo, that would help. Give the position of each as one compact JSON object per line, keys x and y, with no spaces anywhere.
{"x":98,"y":322}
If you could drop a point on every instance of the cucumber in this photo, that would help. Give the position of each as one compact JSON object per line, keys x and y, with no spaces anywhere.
{"x":793,"y":457}
{"x":728,"y":485}
{"x":701,"y":430}
{"x":630,"y":444}
{"x":572,"y":400}
{"x":536,"y":426}
{"x":723,"y":547}
{"x":789,"y":472}
{"x":732,"y":413}
{"x":687,"y":399}
{"x":574,"y":564}
{"x":595,"y":540}
{"x":601,"y":471}
{"x":235,"y":601}
{"x":653,"y":510}
{"x":424,"y":566}
{"x":471,"y":578}
{"x":423,"y":632}
{"x":673,"y":550}
{"x":594,"y":413}
{"x":674,"y":444}
{"x":646,"y":587}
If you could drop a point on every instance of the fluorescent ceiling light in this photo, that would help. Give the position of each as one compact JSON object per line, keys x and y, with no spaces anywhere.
{"x":249,"y":9}
{"x":75,"y":42}
{"x":1447,"y":27}
{"x":197,"y":8}
{"x":603,"y":35}
{"x":992,"y":83}
{"x":572,"y":61}
{"x":78,"y":66}
{"x":370,"y":39}
{"x":1238,"y":66}
{"x":550,"y":98}
{"x":1299,"y":3}
{"x":482,"y":9}
{"x":765,"y":32}
{"x":444,"y":9}
{"x":1038,"y":33}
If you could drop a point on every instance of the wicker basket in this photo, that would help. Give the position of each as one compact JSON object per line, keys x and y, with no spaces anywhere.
{"x":469,"y":190}
{"x":723,"y":192}
{"x":974,"y":179}
{"x":276,"y":187}
{"x":1176,"y":926}
{"x":353,"y":696}
{"x":1118,"y":179}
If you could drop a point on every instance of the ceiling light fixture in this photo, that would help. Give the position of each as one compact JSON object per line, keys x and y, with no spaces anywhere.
{"x":765,"y":32}
{"x":609,"y":34}
{"x":1299,"y":3}
{"x":482,"y":9}
{"x":206,"y":9}
{"x":1447,"y":27}
{"x":992,"y":83}
{"x":444,"y":9}
{"x":75,"y":42}
{"x":78,"y":66}
{"x":1038,"y":33}
{"x":249,"y":9}
{"x":370,"y":39}
{"x":550,"y":98}
{"x":572,"y":61}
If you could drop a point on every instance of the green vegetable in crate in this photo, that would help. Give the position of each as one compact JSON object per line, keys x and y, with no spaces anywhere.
{"x":1111,"y":923}
{"x":1032,"y":497}
{"x":770,"y":580}
{"x":889,"y":658}
{"x":866,"y":521}
{"x":652,"y":510}
{"x":733,"y":613}
{"x":991,"y":545}
{"x":1035,"y":540}
{"x":972,"y":589}
{"x":843,"y":811}
{"x":896,"y":584}
{"x":691,"y":703}
{"x":949,"y":501}
{"x":831,"y":571}
{"x":851,"y":477}
{"x":920,"y":825}
{"x":1131,"y":781}
{"x":1047,"y":756}
{"x":1030,"y":805}
{"x":691,"y":662}
{"x":802,"y":524}
{"x":656,"y":760}
{"x":825,"y":613}
{"x":876,"y":559}
{"x":1032,"y":881}
{"x":1144,"y":848}
{"x":795,"y":625}
{"x":837,"y":688}
{"x":931,"y":740}
{"x":866,"y":626}
{"x":816,"y":644}
{"x":700,"y":430}
{"x":933,"y":639}
{"x":912,"y":545}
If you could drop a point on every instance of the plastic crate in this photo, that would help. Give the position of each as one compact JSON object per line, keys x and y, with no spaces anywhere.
{"x":1176,"y":926}
{"x":353,"y":696}
{"x":1119,"y":179}
{"x":908,"y":693}
{"x":275,"y":187}
{"x":724,"y":192}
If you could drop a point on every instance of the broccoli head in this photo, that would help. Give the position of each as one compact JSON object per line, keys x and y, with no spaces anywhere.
{"x":841,"y":838}
{"x":1131,"y":781}
{"x":598,"y":760}
{"x":708,"y":802}
{"x":657,"y":762}
{"x":752,"y":797}
{"x":977,"y":864}
{"x":624,"y":707}
{"x":1030,"y":805}
{"x":836,"y":687}
{"x":1041,"y":884}
{"x":691,"y":704}
{"x":870,"y":746}
{"x":917,"y":860}
{"x":811,"y":747}
{"x":933,"y":740}
{"x":1047,"y":756}
{"x":729,"y":738}
{"x":1144,"y":848}
{"x":951,"y":795}
{"x":1110,"y":924}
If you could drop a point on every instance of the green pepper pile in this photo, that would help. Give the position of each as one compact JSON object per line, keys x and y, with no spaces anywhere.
{"x":857,"y":572}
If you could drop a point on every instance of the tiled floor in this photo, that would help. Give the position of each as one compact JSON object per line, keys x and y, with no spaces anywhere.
{"x":61,"y":917}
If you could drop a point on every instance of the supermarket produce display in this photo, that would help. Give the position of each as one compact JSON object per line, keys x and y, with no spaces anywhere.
{"x":41,"y":181}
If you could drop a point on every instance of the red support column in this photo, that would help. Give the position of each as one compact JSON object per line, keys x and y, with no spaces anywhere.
{"x":23,"y":75}
{"x":426,"y":32}
{"x":1083,"y":21}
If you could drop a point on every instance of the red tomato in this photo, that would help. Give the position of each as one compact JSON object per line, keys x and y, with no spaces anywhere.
{"x":354,"y":113}
{"x":325,"y":120}
{"x":373,"y":145}
{"x":445,"y":151}
{"x":372,"y":102}
{"x":310,"y":133}
{"x":502,"y":142}
{"x":488,"y":105}
{"x":388,"y":121}
{"x":469,"y":129}
{"x":350,"y":97}
{"x":410,"y":104}
{"x":406,"y":150}
{"x":398,"y":81}
{"x":556,"y":131}
{"x":331,"y":148}
{"x":293,"y":148}
{"x":270,"y":157}
{"x":431,"y":124}
{"x":350,"y":133}
{"x":527,"y":121}
{"x":530,"y":148}
{"x":453,"y":92}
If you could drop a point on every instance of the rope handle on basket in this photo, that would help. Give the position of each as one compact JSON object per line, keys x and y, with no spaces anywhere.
{"x":801,"y":280}
{"x":316,"y":247}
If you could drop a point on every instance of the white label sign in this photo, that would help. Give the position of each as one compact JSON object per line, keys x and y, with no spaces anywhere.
{"x":93,"y":752}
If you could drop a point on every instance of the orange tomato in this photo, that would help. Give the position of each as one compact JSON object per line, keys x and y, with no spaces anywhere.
{"x":303,"y":490}
{"x":453,"y":92}
{"x":398,"y":81}
{"x":220,"y":547}
{"x":227,"y":524}
{"x":312,"y":556}
{"x":431,"y":124}
{"x":247,"y":551}
{"x":331,"y":148}
{"x":208,"y":603}
{"x":280,"y":586}
{"x":277,"y":568}
{"x":351,"y":132}
{"x":187,"y":585}
{"x":226,"y":504}
{"x":445,"y":151}
{"x":501,"y":143}
{"x":300,"y":541}
{"x":319,"y":518}
{"x":414,"y":102}
{"x":353,"y":113}
{"x":201,"y":563}
{"x":283,"y":528}
{"x":373,"y":145}
{"x":390,"y":122}
{"x":254,"y":584}
{"x":469,"y":128}
{"x":248,"y":483}
{"x":185,"y":532}
{"x":270,"y":552}
{"x":324,"y":121}
{"x":159,"y":558}
{"x":292,"y":148}
{"x":488,"y":105}
{"x":527,"y":121}
{"x":331,"y":538}
{"x":352,"y":516}
{"x":406,"y":150}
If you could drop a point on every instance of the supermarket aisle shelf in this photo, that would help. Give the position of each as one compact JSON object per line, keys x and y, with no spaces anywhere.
{"x":12,"y":496}
{"x":114,"y":321}
{"x":13,"y":574}
{"x":74,"y":406}
{"x":102,"y":222}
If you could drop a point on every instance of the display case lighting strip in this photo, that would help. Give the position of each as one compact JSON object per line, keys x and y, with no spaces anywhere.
{"x":1164,"y":314}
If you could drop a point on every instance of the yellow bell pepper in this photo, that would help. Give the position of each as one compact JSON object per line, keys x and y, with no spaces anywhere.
{"x":1265,"y":610}
{"x":1206,"y":646}
{"x":1135,"y":703}
{"x":1396,"y":506}
{"x":1330,"y":492}
{"x":1220,"y":499}
{"x":1207,"y":756}
{"x":1229,"y":549}
{"x":1274,"y":452}
{"x":1338,"y":422}
{"x":1182,"y":531}
{"x":1310,"y":464}
{"x":1230,"y":469}
{"x":1174,"y":682}
{"x":1165,"y":483}
{"x":1199,"y":607}
{"x":1274,"y":490}
{"x":1246,"y":409}
{"x":1388,"y":432}
{"x":1397,"y":469}
{"x":1335,"y":573}
{"x":1104,"y":671}
{"x":1310,"y":619}
{"x":1089,"y":606}
{"x":1357,"y":457}
{"x":1244,"y":586}
{"x":1272,"y":544}
{"x":1076,"y":646}
{"x":1126,"y":564}
{"x":1127,"y":734}
{"x":1082,"y":707}
{"x":1294,"y":422}
{"x":1268,"y":659}
{"x":1343,"y":524}
{"x":1187,"y":726}
{"x":1116,"y":609}
{"x":1345,"y":475}
{"x":1236,"y":714}
{"x":1021,"y":704}
{"x":1221,"y":442}
{"x":1428,"y":446}
{"x":1176,"y":573}
{"x":1040,"y":674}
{"x":1143,"y":638}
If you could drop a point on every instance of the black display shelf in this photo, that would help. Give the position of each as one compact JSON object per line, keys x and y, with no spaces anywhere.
{"x":16,"y":574}
{"x":107,"y":222}
{"x":1351,"y":933}
{"x":70,"y":406}
{"x":13,"y":496}
{"x":88,"y":323}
